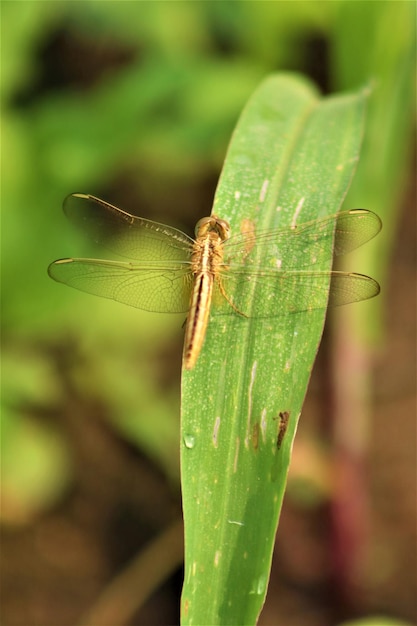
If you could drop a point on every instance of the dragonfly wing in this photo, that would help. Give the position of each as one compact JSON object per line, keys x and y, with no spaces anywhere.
{"x":354,"y":228}
{"x":346,"y":288}
{"x":303,"y":245}
{"x":127,"y":235}
{"x":276,"y":293}
{"x":161,"y":287}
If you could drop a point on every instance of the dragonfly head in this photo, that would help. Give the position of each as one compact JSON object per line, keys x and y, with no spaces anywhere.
{"x":212,"y":224}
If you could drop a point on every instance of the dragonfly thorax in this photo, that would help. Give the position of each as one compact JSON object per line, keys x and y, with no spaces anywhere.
{"x":207,"y":254}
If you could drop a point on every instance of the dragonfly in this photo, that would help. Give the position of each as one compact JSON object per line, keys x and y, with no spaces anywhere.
{"x":251,"y":274}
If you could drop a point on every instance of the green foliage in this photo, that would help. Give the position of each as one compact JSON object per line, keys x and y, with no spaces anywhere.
{"x":376,"y":621}
{"x":384,"y":59}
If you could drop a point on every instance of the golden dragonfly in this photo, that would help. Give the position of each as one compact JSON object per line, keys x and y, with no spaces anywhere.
{"x":251,"y":274}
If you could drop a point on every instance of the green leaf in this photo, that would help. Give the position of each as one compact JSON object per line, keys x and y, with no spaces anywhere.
{"x":291,"y":159}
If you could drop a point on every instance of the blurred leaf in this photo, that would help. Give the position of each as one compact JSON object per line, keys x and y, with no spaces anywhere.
{"x":376,"y":621}
{"x":384,"y":58}
{"x":23,"y":25}
{"x":34,"y":467}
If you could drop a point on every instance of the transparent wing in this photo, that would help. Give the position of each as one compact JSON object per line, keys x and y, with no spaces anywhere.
{"x":305,"y":244}
{"x":274,"y":293}
{"x":127,"y":235}
{"x":157,"y":287}
{"x":260,"y":275}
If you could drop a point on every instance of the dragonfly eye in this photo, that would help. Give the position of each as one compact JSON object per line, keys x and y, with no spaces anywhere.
{"x":212,"y":223}
{"x":203,"y":226}
{"x":223,"y":228}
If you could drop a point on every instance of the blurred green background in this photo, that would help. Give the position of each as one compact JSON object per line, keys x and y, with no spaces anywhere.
{"x":135,"y":102}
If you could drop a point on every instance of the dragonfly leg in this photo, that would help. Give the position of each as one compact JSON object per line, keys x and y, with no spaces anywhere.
{"x":226,"y":297}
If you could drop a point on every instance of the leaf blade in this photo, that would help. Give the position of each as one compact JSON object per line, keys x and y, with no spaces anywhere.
{"x":234,"y":455}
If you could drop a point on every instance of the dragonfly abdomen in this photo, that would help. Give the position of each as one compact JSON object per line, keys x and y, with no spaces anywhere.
{"x":206,"y":260}
{"x":197,"y":319}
